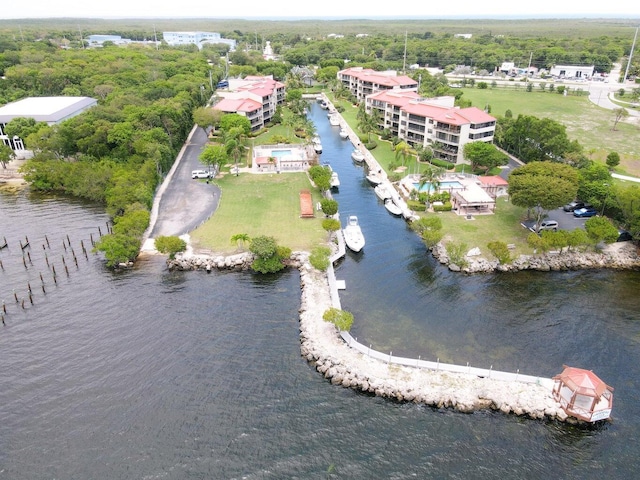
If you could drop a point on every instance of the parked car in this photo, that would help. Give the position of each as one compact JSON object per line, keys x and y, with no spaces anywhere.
{"x":585,"y":212}
{"x":624,"y":236}
{"x":570,"y":207}
{"x":548,"y":225}
{"x":200,"y":174}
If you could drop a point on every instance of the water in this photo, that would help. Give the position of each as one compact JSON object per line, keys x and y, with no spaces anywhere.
{"x":156,"y":374}
{"x":427,"y":187}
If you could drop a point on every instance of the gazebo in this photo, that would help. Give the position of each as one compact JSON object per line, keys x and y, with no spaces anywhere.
{"x":582,"y":394}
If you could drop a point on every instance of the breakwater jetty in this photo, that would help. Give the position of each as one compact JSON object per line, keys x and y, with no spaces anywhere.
{"x":345,"y":362}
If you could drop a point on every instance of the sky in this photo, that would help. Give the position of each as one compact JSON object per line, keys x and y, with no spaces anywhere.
{"x":327,"y":8}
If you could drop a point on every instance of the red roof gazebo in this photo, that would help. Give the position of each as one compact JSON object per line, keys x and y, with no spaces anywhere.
{"x":582,"y":394}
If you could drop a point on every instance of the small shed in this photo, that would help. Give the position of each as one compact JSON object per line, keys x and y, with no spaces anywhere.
{"x":582,"y":394}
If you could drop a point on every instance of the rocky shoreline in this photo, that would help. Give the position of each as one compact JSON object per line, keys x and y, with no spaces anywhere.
{"x":323,"y":347}
{"x":617,"y":256}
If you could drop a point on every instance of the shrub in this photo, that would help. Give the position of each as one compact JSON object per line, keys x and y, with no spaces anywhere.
{"x":170,"y":245}
{"x":329,"y":206}
{"x":442,"y":163}
{"x":269,"y":256}
{"x":331,"y":224}
{"x":342,"y":319}
{"x":432,"y":237}
{"x":371,"y":144}
{"x":601,"y":229}
{"x":457,"y":253}
{"x":445,"y":207}
{"x":416,"y":206}
{"x":319,"y":258}
{"x":500,"y":250}
{"x":278,"y":139}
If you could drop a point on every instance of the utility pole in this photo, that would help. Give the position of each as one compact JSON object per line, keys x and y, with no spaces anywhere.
{"x":404,"y":62}
{"x":626,"y":72}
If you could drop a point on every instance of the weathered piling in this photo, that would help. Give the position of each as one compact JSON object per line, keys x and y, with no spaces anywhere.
{"x":47,"y":240}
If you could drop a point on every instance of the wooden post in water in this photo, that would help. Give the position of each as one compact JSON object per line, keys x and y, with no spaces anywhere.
{"x":29,"y":257}
{"x":93,"y":244}
{"x":99,"y":231}
{"x":24,"y":261}
{"x":4,"y":307}
{"x":68,"y":241}
{"x":45,"y":237}
{"x":46,"y":259}
{"x":1,"y":265}
{"x":64,"y":245}
{"x":15,"y":295}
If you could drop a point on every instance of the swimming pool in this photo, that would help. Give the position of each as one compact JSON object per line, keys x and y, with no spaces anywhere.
{"x":447,"y":186}
{"x":281,"y":153}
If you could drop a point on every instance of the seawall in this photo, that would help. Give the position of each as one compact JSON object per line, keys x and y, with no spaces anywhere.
{"x":382,"y":375}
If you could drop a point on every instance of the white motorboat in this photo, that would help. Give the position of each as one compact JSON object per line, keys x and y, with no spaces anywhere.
{"x":353,"y":236}
{"x":324,"y":105}
{"x":344,"y":134}
{"x":357,"y":156}
{"x":334,"y":120}
{"x":382,"y":192}
{"x":335,"y":181}
{"x":374,"y":179}
{"x":317,"y":146}
{"x":390,"y":205}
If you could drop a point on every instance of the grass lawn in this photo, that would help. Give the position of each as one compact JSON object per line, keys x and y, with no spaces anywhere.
{"x":261,"y":205}
{"x":504,"y":226}
{"x":586,"y":122}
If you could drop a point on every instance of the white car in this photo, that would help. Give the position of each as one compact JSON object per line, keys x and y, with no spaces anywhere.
{"x":200,"y":174}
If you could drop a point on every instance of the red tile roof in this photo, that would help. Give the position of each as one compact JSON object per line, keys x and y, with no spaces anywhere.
{"x":237,"y":105}
{"x":493,"y":180}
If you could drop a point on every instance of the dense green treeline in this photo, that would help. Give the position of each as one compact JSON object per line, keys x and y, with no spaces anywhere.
{"x":116,"y":152}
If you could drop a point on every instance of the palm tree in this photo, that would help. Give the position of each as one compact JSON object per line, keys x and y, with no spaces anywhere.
{"x":240,"y":239}
{"x":403,"y":150}
{"x":235,"y":149}
{"x":431,"y":175}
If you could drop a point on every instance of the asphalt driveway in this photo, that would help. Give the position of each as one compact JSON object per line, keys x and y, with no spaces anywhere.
{"x":185,"y":203}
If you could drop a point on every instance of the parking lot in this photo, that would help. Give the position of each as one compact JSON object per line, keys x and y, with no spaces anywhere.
{"x":566,"y":220}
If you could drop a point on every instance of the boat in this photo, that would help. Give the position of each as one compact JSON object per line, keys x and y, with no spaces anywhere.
{"x":334,"y":120}
{"x":390,"y":205}
{"x":374,"y":179}
{"x":316,"y":138}
{"x":382,"y":192}
{"x":335,"y":181}
{"x":317,"y":146}
{"x":324,"y":105}
{"x":357,"y":156}
{"x":352,"y":234}
{"x":344,"y":134}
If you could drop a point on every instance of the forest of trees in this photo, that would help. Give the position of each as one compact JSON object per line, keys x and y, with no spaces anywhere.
{"x":117,"y":152}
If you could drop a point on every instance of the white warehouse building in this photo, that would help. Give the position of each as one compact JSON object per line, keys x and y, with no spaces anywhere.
{"x":196,"y":38}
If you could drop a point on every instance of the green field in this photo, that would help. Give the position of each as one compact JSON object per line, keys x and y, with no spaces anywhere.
{"x":266,"y":204}
{"x":586,"y":122}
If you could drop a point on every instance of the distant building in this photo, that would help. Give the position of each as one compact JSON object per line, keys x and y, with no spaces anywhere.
{"x":463,"y":35}
{"x":253,"y":97}
{"x":572,"y":71}
{"x":433,"y":122}
{"x":267,"y":52}
{"x":365,"y":81}
{"x":196,"y":38}
{"x":98,"y":40}
{"x":51,"y":110}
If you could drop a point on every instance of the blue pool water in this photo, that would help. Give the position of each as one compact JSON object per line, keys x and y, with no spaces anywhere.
{"x":443,"y":186}
{"x":280,"y":153}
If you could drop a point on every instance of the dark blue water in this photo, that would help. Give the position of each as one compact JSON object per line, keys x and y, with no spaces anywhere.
{"x":156,"y":374}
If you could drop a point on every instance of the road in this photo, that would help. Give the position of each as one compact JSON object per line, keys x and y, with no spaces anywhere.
{"x":182,"y":203}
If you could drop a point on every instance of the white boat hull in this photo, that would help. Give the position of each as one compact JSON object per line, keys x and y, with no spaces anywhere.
{"x":357,"y":156}
{"x":344,"y":134}
{"x":353,"y":237}
{"x":392,"y":207}
{"x":374,"y":179}
{"x":382,"y":193}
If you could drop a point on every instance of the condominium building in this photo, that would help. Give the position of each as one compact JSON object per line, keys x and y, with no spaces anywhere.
{"x":254,"y":97}
{"x":433,"y":122}
{"x":196,"y":38}
{"x":365,"y":81}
